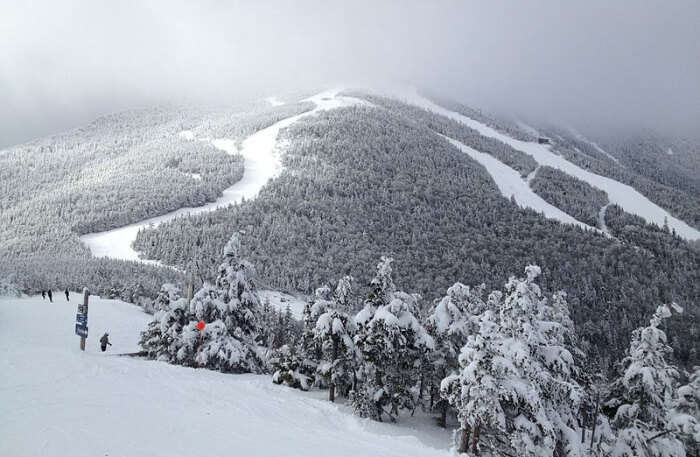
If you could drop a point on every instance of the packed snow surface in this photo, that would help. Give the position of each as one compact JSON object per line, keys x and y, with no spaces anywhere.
{"x":280,"y":301}
{"x":620,"y":194}
{"x":59,"y":401}
{"x":511,"y":184}
{"x":262,"y":163}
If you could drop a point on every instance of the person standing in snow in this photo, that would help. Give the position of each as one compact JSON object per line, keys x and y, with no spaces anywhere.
{"x":67,"y":295}
{"x":104,"y":341}
{"x":50,"y":296}
{"x":43,"y":294}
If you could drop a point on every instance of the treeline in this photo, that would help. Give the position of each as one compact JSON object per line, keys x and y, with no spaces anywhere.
{"x":575,"y":197}
{"x":361,"y":182}
{"x":505,"y":364}
{"x":133,"y":282}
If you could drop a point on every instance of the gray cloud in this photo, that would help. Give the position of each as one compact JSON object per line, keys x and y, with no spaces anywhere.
{"x":595,"y":64}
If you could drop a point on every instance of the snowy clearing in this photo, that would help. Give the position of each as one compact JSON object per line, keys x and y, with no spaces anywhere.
{"x":511,"y":184}
{"x":620,"y":194}
{"x":59,"y":401}
{"x":280,"y":300}
{"x":262,"y":163}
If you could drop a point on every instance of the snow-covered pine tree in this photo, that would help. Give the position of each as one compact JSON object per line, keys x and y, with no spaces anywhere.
{"x":230,"y":310}
{"x":334,"y":334}
{"x":684,"y":416}
{"x":450,"y":321}
{"x":392,"y":342}
{"x":162,"y":338}
{"x":288,"y":368}
{"x":643,"y":395}
{"x":296,"y":361}
{"x":476,"y":392}
{"x":515,"y":393}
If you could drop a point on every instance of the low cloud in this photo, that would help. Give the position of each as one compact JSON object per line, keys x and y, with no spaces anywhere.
{"x":629,"y":65}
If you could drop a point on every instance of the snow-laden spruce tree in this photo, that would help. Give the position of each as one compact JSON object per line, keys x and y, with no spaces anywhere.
{"x":162,"y":339}
{"x":230,"y":311}
{"x":644,"y":395}
{"x":685,"y":414}
{"x":450,"y":321}
{"x":392,"y":342}
{"x":296,"y":362}
{"x":515,"y":392}
{"x":334,"y":332}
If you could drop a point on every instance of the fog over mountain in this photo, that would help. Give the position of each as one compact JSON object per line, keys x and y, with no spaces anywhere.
{"x":597,"y":65}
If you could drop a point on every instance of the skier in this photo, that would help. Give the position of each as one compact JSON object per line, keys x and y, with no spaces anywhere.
{"x":43,"y":294}
{"x":104,"y":341}
{"x":67,"y":296}
{"x":50,"y":296}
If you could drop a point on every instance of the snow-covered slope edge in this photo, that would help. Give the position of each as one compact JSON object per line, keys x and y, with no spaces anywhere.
{"x":262,"y":163}
{"x":65,"y":402}
{"x":620,"y":194}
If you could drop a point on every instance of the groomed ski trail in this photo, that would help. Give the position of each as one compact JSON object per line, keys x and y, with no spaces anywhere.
{"x":262,"y":163}
{"x":58,"y":401}
{"x":620,"y":194}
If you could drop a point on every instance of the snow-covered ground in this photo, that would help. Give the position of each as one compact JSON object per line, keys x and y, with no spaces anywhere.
{"x":511,"y":184}
{"x":620,"y":194}
{"x":280,"y":300}
{"x":262,"y":163}
{"x":59,"y":401}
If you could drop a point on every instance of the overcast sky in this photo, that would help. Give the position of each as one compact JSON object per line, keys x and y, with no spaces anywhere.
{"x":592,"y":64}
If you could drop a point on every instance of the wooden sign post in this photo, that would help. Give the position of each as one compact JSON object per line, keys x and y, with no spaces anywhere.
{"x":81,"y":328}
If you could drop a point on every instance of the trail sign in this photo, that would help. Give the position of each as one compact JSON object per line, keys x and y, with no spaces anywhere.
{"x":81,"y":330}
{"x":81,"y":319}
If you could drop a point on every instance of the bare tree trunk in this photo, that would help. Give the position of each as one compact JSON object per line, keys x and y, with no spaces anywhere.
{"x":331,"y":385}
{"x":443,"y":415}
{"x":464,"y":440}
{"x":475,"y":442}
{"x":595,"y":419}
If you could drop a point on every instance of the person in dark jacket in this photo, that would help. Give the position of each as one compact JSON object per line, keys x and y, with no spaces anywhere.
{"x":67,"y":295}
{"x":104,"y":341}
{"x":50,"y":296}
{"x":43,"y":295}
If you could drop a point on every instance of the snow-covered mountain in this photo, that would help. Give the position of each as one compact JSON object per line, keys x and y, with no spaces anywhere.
{"x":323,"y":184}
{"x":301,"y":194}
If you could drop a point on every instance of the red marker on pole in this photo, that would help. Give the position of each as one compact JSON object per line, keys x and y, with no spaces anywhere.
{"x":200,"y":326}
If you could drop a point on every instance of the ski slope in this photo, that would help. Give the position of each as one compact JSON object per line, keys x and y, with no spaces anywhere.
{"x":262,"y":163}
{"x":620,"y":194}
{"x":511,"y":184}
{"x":59,"y":401}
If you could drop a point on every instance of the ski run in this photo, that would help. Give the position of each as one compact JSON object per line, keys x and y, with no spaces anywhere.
{"x":620,"y":194}
{"x":60,"y":401}
{"x":262,"y":163}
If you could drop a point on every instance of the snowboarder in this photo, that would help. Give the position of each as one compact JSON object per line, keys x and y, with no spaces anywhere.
{"x":43,"y":295}
{"x":67,"y":296}
{"x":104,"y":341}
{"x":50,"y":296}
